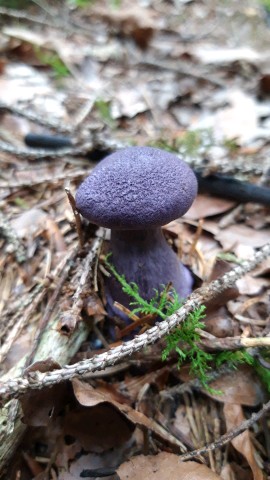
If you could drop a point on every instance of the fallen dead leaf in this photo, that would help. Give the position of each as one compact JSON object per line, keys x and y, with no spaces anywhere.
{"x":235,"y":235}
{"x":163,"y":466}
{"x":242,"y":443}
{"x":98,"y":428}
{"x":252,"y":286}
{"x":219,"y":55}
{"x":205,"y":206}
{"x":29,"y":222}
{"x":240,"y":387}
{"x":89,"y":397}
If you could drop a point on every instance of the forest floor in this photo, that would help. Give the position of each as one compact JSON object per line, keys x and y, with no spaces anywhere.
{"x":191,"y":77}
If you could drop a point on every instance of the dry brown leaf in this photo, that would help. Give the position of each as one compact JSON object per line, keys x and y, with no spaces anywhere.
{"x":221,"y":267}
{"x":29,"y":222}
{"x":164,"y":466}
{"x":212,"y":54}
{"x":242,"y":443}
{"x":252,"y":286}
{"x":54,"y":235}
{"x":89,"y":397}
{"x":227,"y":473}
{"x":98,"y":428}
{"x":181,"y":422}
{"x":218,"y":323}
{"x":206,"y":206}
{"x":235,"y":235}
{"x":240,"y":387}
{"x":94,"y":307}
{"x":134,"y":384}
{"x":136,"y":22}
{"x":239,"y":120}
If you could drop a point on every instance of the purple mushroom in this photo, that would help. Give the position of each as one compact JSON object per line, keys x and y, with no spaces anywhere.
{"x":134,"y":192}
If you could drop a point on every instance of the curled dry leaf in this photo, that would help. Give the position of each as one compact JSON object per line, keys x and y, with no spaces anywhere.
{"x":89,"y":397}
{"x":94,"y":307}
{"x":243,"y":443}
{"x":164,"y":466}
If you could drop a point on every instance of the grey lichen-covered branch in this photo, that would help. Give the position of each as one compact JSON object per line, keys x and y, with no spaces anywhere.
{"x":36,"y":380}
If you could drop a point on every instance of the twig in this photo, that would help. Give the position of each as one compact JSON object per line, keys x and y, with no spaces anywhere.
{"x":33,"y":117}
{"x":37,"y":154}
{"x":49,"y":309}
{"x":227,"y":437}
{"x":83,"y":284}
{"x":195,"y":383}
{"x":37,"y":380}
{"x":77,"y":217}
{"x":24,"y":15}
{"x":12,"y":238}
{"x":75,"y":174}
{"x":74,"y":313}
{"x":21,"y":318}
{"x":231,"y":343}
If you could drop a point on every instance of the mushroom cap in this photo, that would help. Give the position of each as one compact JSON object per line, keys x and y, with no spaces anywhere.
{"x":137,"y":188}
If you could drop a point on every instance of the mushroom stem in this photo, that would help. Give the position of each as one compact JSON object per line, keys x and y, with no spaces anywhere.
{"x":144,"y":257}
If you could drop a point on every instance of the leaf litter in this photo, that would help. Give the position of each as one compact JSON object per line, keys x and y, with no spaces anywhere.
{"x":185,"y":76}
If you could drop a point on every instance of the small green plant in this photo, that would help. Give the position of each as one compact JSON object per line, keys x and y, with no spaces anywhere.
{"x":191,"y":143}
{"x":231,"y":145}
{"x":54,"y":61}
{"x":17,"y":4}
{"x":188,"y":335}
{"x":265,"y":4}
{"x":80,"y":3}
{"x":185,"y":339}
{"x":163,"y":306}
{"x":229,"y":257}
{"x":104,"y":110}
{"x":159,"y":305}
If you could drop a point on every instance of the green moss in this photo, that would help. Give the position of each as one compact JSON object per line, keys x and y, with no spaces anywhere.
{"x":185,"y":339}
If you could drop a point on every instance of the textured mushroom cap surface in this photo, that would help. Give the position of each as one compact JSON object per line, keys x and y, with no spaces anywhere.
{"x":137,"y":187}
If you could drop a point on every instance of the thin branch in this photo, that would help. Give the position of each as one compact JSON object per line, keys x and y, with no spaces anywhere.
{"x":37,"y":380}
{"x":211,"y":342}
{"x":39,"y":153}
{"x":77,"y":216}
{"x":35,"y":118}
{"x":31,"y":182}
{"x":30,"y":305}
{"x":227,"y":437}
